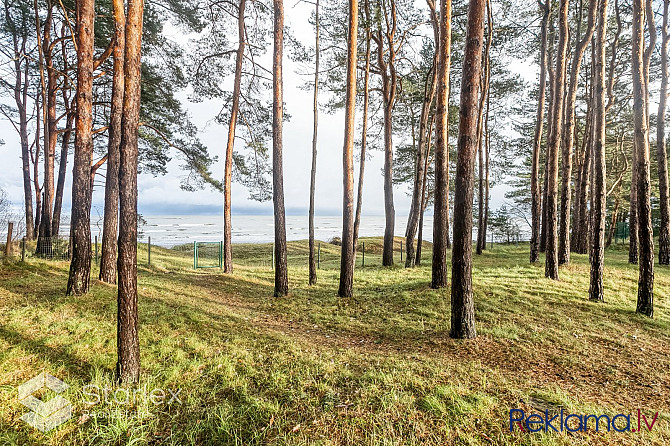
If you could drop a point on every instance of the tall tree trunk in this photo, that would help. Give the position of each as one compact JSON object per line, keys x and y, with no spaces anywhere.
{"x":128,"y":346}
{"x":441,"y":201}
{"x":633,"y":245}
{"x":550,"y":112}
{"x":462,"y":300}
{"x":312,"y":183}
{"x":640,"y":68}
{"x":364,"y":132}
{"x":36,"y":168}
{"x":424,"y":199}
{"x":481,"y":236}
{"x":111,"y":217}
{"x":661,"y":150}
{"x":596,"y":289}
{"x":80,"y":222}
{"x":535,"y":188}
{"x":281,"y":266}
{"x":347,"y":257}
{"x":553,"y":148}
{"x":568,"y":132}
{"x":228,"y":171}
{"x":429,"y":89}
{"x":613,"y":221}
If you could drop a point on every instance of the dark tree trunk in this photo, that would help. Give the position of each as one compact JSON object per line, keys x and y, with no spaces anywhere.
{"x":568,"y":132}
{"x":111,"y":217}
{"x":128,"y":345}
{"x":281,"y":266}
{"x":441,"y":202}
{"x":462,"y":300}
{"x":228,"y":171}
{"x":553,"y":147}
{"x":348,"y":258}
{"x":312,"y":183}
{"x":364,"y":132}
{"x":613,"y":222}
{"x":633,"y":221}
{"x":80,"y":222}
{"x":640,"y":68}
{"x":661,"y":150}
{"x":535,"y":188}
{"x":596,"y":289}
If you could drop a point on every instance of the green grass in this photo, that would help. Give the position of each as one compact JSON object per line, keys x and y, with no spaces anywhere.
{"x":312,"y":368}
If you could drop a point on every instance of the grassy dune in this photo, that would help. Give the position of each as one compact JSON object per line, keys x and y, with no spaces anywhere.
{"x":315,"y":369}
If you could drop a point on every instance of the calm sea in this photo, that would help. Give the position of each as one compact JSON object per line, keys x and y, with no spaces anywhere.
{"x":170,"y":230}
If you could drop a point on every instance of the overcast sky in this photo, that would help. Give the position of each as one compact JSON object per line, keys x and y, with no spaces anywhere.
{"x":163,"y":196}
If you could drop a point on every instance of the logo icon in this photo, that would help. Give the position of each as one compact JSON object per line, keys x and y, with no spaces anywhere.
{"x":44,"y":415}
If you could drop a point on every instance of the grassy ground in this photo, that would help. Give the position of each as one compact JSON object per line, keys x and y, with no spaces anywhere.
{"x":315,"y":369}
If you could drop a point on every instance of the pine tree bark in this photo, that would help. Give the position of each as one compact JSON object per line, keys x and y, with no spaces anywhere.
{"x":462,"y":300}
{"x":111,"y":217}
{"x":80,"y":221}
{"x":347,"y":258}
{"x":439,"y":277}
{"x":553,"y":148}
{"x":596,"y":289}
{"x":535,"y":188}
{"x":640,"y":67}
{"x":364,"y":131}
{"x":568,"y":132}
{"x":281,"y":266}
{"x":661,"y":150}
{"x":633,"y":245}
{"x":228,"y":170}
{"x":312,"y":183}
{"x":128,"y":348}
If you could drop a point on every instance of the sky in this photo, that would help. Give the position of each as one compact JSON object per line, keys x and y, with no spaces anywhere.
{"x":162,"y":195}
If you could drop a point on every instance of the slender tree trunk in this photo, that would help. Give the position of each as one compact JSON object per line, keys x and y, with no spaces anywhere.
{"x":430,"y":87}
{"x":487,"y":154}
{"x":613,"y":222}
{"x":441,"y":201}
{"x":550,"y":124}
{"x":553,"y":148}
{"x":228,"y":171}
{"x":661,"y":150}
{"x":281,"y":267}
{"x":645,"y":293}
{"x":596,"y":289}
{"x":462,"y":300}
{"x":111,"y":217}
{"x":364,"y":132}
{"x":348,"y":258}
{"x":481,"y":236}
{"x":424,"y":200}
{"x":128,"y":346}
{"x":312,"y":184}
{"x":535,"y":188}
{"x":80,"y":222}
{"x":568,"y":132}
{"x":633,"y":248}
{"x":36,"y":167}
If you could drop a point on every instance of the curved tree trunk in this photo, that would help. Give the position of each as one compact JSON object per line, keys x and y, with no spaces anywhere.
{"x":441,"y":206}
{"x":230,"y":144}
{"x":281,"y":267}
{"x":80,"y":222}
{"x":462,"y":300}
{"x":348,"y":258}
{"x":535,"y":188}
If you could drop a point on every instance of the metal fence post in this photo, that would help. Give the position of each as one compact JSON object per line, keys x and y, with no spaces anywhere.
{"x":149,"y":251}
{"x":23,"y":249}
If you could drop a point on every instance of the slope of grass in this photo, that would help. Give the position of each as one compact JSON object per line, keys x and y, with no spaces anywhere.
{"x":312,"y":368}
